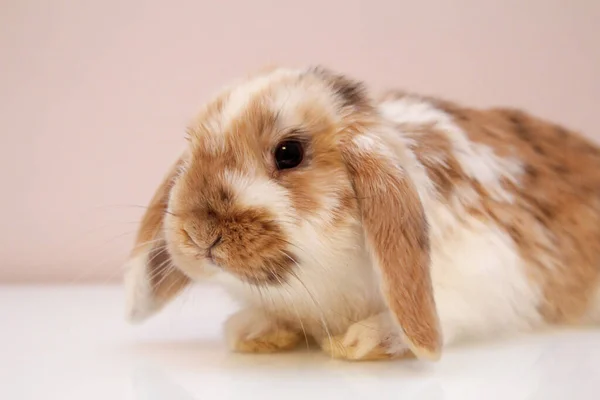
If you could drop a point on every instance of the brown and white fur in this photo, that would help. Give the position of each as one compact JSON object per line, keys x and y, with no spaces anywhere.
{"x":411,"y":224}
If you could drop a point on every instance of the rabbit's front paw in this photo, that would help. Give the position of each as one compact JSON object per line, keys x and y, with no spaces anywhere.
{"x":251,"y":331}
{"x":375,"y":338}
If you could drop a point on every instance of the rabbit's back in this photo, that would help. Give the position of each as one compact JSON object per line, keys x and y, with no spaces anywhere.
{"x":514,"y":214}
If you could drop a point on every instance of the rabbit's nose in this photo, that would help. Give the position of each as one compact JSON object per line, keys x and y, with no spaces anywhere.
{"x":212,"y":246}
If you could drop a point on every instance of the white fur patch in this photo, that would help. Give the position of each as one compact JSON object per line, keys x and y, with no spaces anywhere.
{"x":140,"y":302}
{"x":366,"y":143}
{"x":324,"y":214}
{"x":477,"y":160}
{"x":239,"y":98}
{"x":480,"y":283}
{"x":252,"y":191}
{"x":288,"y":103}
{"x":375,"y":331}
{"x":369,"y":144}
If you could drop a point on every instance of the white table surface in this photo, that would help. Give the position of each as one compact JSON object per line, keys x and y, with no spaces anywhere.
{"x":71,"y":342}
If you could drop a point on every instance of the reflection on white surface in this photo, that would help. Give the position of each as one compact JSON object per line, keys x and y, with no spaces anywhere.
{"x":72,"y":343}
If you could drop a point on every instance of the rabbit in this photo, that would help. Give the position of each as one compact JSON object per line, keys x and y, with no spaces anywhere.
{"x":378,"y":226}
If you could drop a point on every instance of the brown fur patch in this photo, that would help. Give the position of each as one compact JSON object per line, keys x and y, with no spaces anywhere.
{"x":253,"y":246}
{"x":434,"y":150}
{"x":351,"y":93}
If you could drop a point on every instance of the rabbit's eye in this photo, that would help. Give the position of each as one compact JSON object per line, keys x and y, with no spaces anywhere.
{"x":289,"y":154}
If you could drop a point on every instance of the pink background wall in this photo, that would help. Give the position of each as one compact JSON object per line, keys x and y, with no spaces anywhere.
{"x":95,"y":95}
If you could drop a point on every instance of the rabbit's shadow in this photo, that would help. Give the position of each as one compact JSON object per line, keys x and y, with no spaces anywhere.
{"x":190,"y":370}
{"x":213,"y":355}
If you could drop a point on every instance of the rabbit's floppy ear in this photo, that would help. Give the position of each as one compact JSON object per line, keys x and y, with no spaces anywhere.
{"x":151,"y":280}
{"x":397,"y":238}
